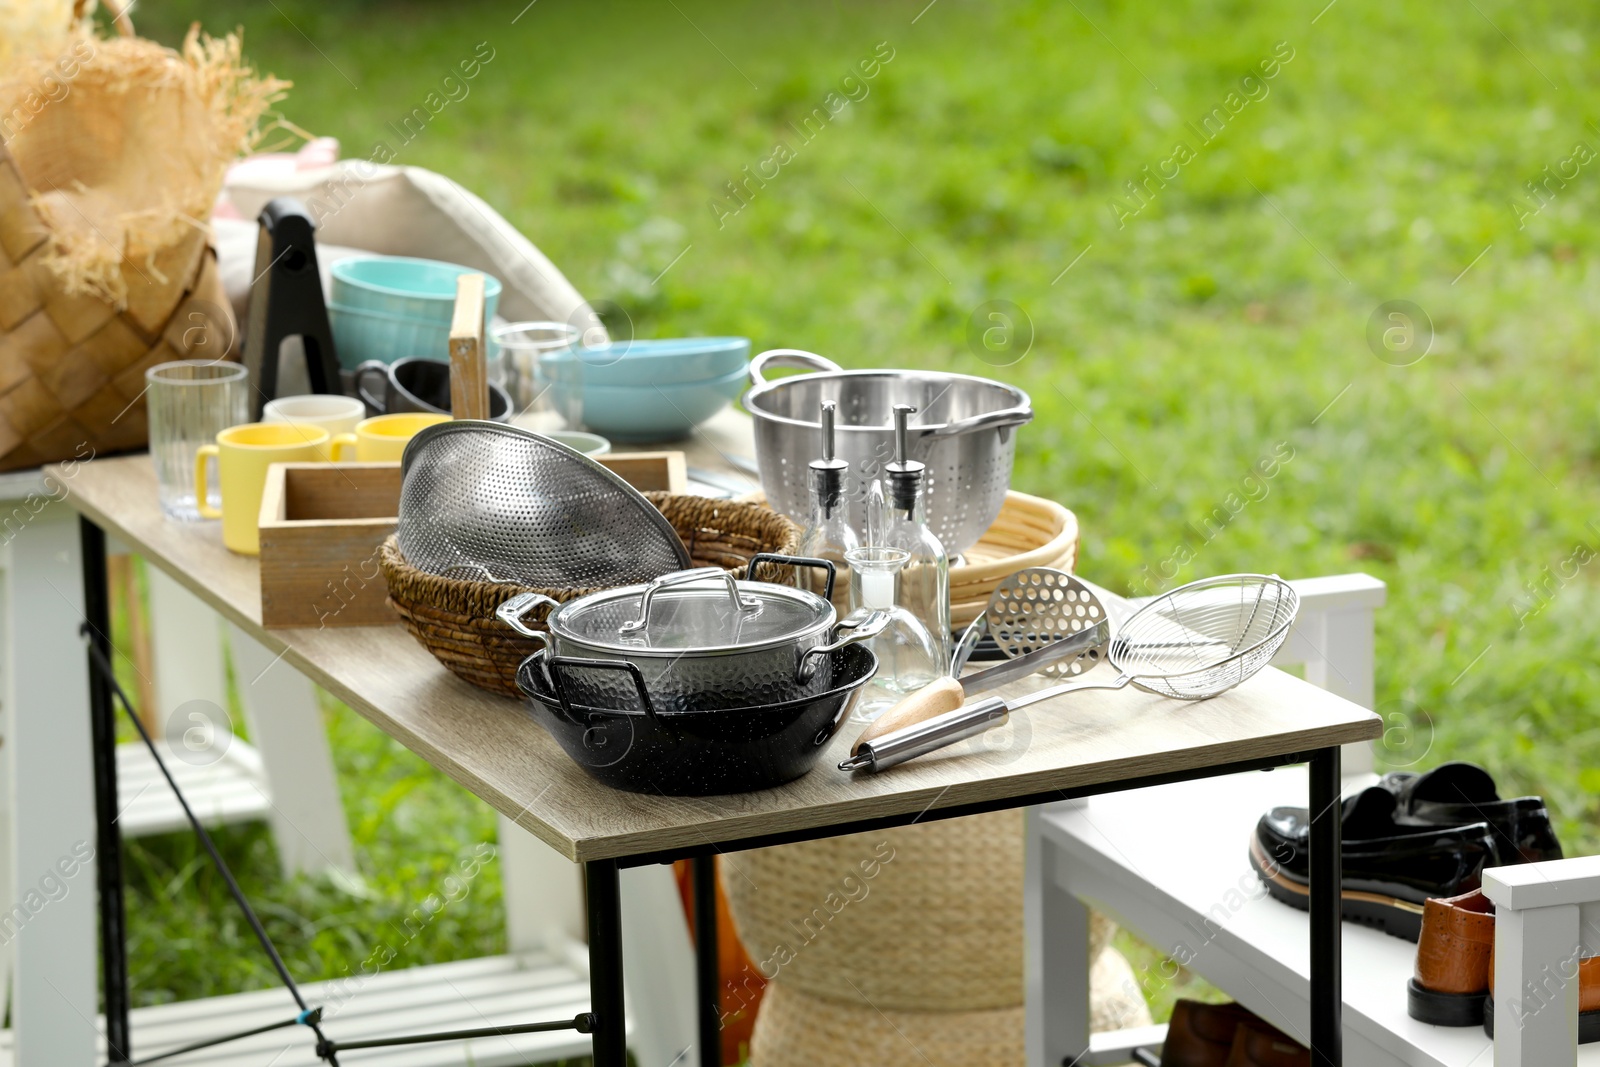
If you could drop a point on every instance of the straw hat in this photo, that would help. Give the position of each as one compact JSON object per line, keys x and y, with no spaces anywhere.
{"x":111,"y":155}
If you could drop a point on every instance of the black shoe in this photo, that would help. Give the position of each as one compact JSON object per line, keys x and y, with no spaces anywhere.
{"x":1455,"y":794}
{"x":1388,"y":870}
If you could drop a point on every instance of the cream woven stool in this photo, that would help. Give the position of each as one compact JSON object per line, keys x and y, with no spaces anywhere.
{"x":914,"y":935}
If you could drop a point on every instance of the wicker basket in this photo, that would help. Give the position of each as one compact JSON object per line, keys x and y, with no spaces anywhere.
{"x":796,"y":1029}
{"x":1029,"y":532}
{"x":454,"y":618}
{"x":104,"y":271}
{"x":933,"y":922}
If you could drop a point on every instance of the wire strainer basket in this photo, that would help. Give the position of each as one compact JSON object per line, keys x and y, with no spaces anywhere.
{"x":1206,"y":637}
{"x":499,"y":503}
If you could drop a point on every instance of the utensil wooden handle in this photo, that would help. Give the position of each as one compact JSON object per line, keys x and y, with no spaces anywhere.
{"x":934,"y":699}
{"x":469,"y":370}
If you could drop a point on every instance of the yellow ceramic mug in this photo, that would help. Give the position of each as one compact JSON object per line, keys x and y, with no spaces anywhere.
{"x":244,"y":453}
{"x":382,"y":438}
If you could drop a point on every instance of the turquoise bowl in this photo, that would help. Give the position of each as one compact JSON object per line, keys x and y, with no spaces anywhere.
{"x":389,"y":307}
{"x":648,"y":362}
{"x":646,"y":412}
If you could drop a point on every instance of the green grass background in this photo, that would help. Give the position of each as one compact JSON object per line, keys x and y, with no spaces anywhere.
{"x":1225,"y":322}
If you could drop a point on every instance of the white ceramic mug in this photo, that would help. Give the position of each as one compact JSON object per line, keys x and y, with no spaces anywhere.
{"x":336,"y":414}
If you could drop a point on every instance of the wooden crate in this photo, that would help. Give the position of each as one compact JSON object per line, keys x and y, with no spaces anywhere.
{"x":322,"y":523}
{"x":649,"y":471}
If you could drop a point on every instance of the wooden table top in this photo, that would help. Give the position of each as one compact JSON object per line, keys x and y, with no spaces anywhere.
{"x":492,"y":747}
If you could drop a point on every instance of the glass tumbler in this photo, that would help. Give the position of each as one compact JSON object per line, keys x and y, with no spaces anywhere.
{"x":522,"y":345}
{"x":190,"y":401}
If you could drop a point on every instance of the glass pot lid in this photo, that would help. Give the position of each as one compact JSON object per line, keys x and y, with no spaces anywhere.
{"x":704,"y":610}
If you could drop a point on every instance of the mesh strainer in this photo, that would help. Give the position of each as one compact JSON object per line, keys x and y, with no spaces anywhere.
{"x":503,"y":504}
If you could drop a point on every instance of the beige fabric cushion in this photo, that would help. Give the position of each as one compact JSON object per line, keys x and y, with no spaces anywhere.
{"x":408,"y":211}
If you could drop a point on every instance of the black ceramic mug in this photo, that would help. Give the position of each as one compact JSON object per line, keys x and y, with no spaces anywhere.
{"x":420,"y":384}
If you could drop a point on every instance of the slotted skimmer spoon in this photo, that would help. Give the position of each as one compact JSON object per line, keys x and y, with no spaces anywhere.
{"x":1190,"y":643}
{"x":1039,"y":606}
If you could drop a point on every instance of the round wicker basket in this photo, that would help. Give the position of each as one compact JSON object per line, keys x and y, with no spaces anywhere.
{"x":932,"y":922}
{"x":1029,"y":532}
{"x":796,"y":1029}
{"x":455,"y":618}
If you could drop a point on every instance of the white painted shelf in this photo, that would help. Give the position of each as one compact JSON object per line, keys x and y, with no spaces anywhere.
{"x":232,"y":790}
{"x":1171,"y":865}
{"x":491,"y":991}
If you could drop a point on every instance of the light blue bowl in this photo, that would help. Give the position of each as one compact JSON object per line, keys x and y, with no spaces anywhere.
{"x":649,"y":362}
{"x":646,"y":412}
{"x":389,"y":307}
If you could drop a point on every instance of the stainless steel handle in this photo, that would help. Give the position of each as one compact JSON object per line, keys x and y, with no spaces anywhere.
{"x":862,"y":628}
{"x":992,"y":420}
{"x":936,"y":733}
{"x":512,"y":611}
{"x":789,"y":357}
{"x":699,"y":574}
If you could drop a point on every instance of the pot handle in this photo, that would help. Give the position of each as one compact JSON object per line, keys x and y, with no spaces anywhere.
{"x":699,"y":574}
{"x":793,"y":561}
{"x":788,"y":357}
{"x":992,"y":420}
{"x":512,"y":611}
{"x":863,"y":626}
{"x":555,"y":666}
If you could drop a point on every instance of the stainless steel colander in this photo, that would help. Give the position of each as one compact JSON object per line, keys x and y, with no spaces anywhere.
{"x":502,"y":504}
{"x":965,"y":433}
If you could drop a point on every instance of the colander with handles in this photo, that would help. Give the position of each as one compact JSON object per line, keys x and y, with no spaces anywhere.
{"x":965,"y":433}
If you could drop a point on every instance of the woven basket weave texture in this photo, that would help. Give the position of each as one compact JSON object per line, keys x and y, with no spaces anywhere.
{"x":104,"y":265}
{"x":455,"y":618}
{"x":72,"y":367}
{"x":796,"y":1029}
{"x":937,"y":928}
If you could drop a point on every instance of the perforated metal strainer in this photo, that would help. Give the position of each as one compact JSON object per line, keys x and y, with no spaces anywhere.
{"x":502,"y":504}
{"x":1039,"y":606}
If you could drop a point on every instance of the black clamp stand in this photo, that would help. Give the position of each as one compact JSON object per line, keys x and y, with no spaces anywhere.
{"x":286,"y":301}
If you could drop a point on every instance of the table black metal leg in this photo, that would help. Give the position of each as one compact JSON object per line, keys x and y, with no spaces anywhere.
{"x":1327,"y":991}
{"x":607,"y":1002}
{"x":108,"y":853}
{"x":707,"y":976}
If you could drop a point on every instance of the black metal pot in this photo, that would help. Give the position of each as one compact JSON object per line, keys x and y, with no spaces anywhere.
{"x":694,"y":752}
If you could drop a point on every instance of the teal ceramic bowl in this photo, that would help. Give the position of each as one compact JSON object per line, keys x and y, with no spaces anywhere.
{"x":389,"y":307}
{"x":646,"y":412}
{"x":649,"y":362}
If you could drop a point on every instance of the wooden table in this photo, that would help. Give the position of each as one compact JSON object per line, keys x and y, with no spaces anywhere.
{"x":1098,"y":742}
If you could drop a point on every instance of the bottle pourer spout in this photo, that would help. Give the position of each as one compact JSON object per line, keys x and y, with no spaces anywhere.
{"x":905,"y":473}
{"x":902,"y":415}
{"x":827,"y":473}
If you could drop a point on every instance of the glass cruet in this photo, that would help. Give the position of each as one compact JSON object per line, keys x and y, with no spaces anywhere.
{"x":924,"y":581}
{"x":828,"y":534}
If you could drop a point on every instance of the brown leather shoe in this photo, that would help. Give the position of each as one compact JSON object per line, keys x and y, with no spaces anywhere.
{"x":1258,"y":1045}
{"x":1453,"y":952}
{"x":1588,"y":1000}
{"x":1455,"y":969}
{"x":1202,"y":1035}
